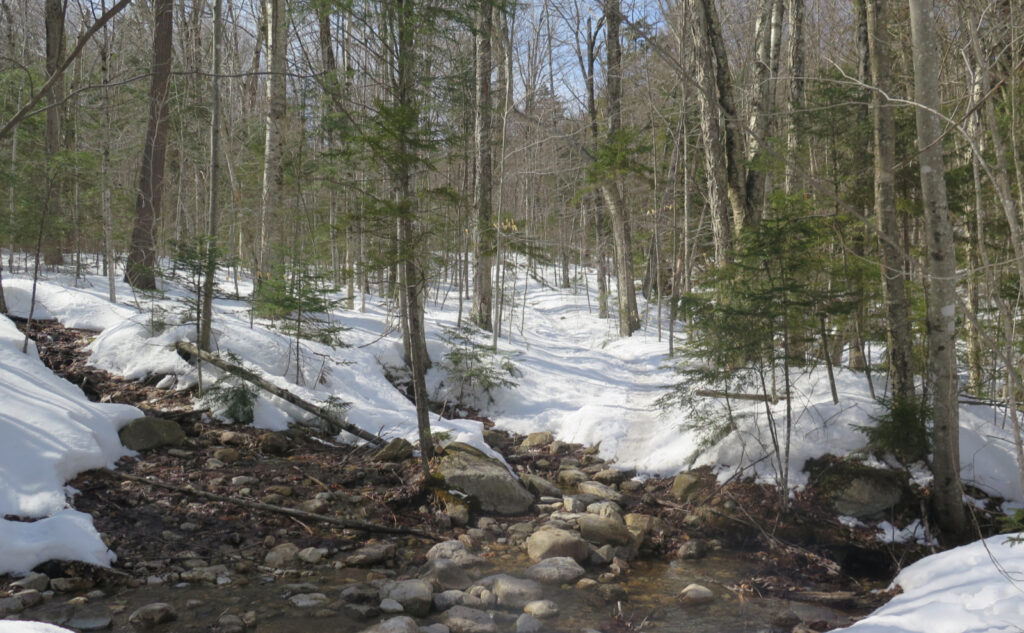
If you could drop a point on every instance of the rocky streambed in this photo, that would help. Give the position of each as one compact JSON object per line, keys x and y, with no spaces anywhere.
{"x":233,"y":529}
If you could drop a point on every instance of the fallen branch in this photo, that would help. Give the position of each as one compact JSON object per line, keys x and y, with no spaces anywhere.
{"x":189,"y":351}
{"x":754,"y":397}
{"x":351,"y":524}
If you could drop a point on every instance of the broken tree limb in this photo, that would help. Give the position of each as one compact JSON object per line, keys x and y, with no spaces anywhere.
{"x":188,"y":350}
{"x":754,"y":397}
{"x":350,"y":524}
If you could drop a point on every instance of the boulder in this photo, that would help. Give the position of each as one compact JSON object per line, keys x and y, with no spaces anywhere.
{"x":868,"y":496}
{"x":372,"y":554}
{"x":483,"y":478}
{"x":146,"y":433}
{"x":282,"y":555}
{"x":415,"y":596}
{"x":460,"y":619}
{"x":456,"y":552}
{"x":516,"y":593}
{"x":600,"y":490}
{"x":555,"y":571}
{"x":610,"y":477}
{"x":444,"y":573}
{"x":552,"y":542}
{"x":570,"y":477}
{"x":685,"y":485}
{"x":604,"y":531}
{"x":538,"y":439}
{"x":541,"y":609}
{"x":397,"y":450}
{"x":540,"y":486}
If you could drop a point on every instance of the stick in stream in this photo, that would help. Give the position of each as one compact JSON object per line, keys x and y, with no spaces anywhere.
{"x":189,"y":351}
{"x":351,"y":524}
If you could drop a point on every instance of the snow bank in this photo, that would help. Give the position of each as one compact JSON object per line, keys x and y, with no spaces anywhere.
{"x":977,"y":588}
{"x":24,"y":626}
{"x":50,"y":432}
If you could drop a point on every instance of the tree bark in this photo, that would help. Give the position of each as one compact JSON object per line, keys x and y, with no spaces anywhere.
{"x":940,"y":292}
{"x":797,"y":55}
{"x":273,"y":176}
{"x":206,"y":313}
{"x":766,"y":70}
{"x":140,"y":269}
{"x":884,"y":134}
{"x":622,"y":243}
{"x":483,"y":230}
{"x":54,"y":22}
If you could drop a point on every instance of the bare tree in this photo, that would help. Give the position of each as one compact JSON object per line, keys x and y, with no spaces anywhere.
{"x":483,"y":231}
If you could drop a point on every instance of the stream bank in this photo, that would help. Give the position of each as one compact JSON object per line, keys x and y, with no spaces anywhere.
{"x":224,"y":567}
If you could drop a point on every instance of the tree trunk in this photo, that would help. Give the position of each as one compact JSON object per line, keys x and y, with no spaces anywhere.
{"x":884,"y":133}
{"x":622,"y":243}
{"x":140,"y":269}
{"x":766,"y":70}
{"x":796,"y":88}
{"x":270,"y":202}
{"x":483,"y":230}
{"x":54,"y":22}
{"x":206,"y":314}
{"x":941,"y":377}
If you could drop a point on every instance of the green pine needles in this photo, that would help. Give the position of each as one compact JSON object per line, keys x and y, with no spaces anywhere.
{"x":474,"y":371}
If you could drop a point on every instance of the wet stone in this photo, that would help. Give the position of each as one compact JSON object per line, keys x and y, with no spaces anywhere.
{"x":541,"y":609}
{"x":308,"y":600}
{"x":229,"y":623}
{"x":516,"y":592}
{"x":398,"y":624}
{"x":527,"y":623}
{"x":92,"y":618}
{"x":460,"y":619}
{"x":555,"y":571}
{"x":282,"y":555}
{"x":147,"y":617}
{"x":696,"y":594}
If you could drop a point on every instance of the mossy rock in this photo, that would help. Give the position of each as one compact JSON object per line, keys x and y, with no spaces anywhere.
{"x":146,"y":433}
{"x":858,"y":490}
{"x":486,"y":480}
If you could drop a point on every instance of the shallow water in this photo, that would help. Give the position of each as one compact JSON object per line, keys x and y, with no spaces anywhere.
{"x":652,"y":605}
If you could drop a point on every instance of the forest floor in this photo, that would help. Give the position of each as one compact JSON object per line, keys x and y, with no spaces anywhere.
{"x":161,"y":534}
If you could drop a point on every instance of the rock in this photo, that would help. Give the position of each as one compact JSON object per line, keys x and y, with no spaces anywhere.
{"x":284,"y":491}
{"x":282,"y":555}
{"x":643,"y":523}
{"x":444,"y":573}
{"x":516,"y":592}
{"x":499,"y":440}
{"x":456,"y":552}
{"x":397,"y":450}
{"x":273,"y":444}
{"x":415,"y":596}
{"x":399,"y":624}
{"x":696,"y":594}
{"x":540,"y":486}
{"x":610,"y":477}
{"x":612,"y":592}
{"x":631,"y":486}
{"x":361,"y":594}
{"x":33,"y":580}
{"x":314,"y":506}
{"x":604,"y":530}
{"x":868,"y":496}
{"x":146,"y":617}
{"x":445,"y":600}
{"x":361,"y":611}
{"x":312,"y":555}
{"x":555,"y":571}
{"x":436,"y":627}
{"x":308,"y":600}
{"x":244,"y":480}
{"x":28,"y":597}
{"x":460,"y":619}
{"x":227,"y":455}
{"x":486,"y":480}
{"x":538,"y":439}
{"x":371,"y":554}
{"x":685,"y":486}
{"x":607,"y":509}
{"x":10,"y":605}
{"x":70,"y":585}
{"x":600,"y":490}
{"x":91,"y":618}
{"x":146,"y":433}
{"x":230,"y":623}
{"x":570,"y":477}
{"x":527,"y":623}
{"x":692,"y":550}
{"x":574,"y":504}
{"x":387,"y":605}
{"x":208,"y":574}
{"x":541,"y":609}
{"x":457,"y":511}
{"x":552,"y":542}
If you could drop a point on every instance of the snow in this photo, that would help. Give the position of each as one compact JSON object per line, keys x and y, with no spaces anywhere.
{"x":24,"y":626}
{"x":576,"y":378}
{"x":976,"y":588}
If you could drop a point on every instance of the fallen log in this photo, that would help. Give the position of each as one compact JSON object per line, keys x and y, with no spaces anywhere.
{"x":754,"y":397}
{"x":188,"y":351}
{"x":351,"y":524}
